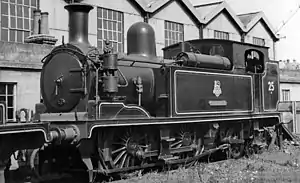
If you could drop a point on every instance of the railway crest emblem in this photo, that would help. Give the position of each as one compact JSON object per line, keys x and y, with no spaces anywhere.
{"x":217,"y":88}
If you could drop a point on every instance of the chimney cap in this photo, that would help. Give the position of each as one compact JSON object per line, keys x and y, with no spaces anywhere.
{"x":37,"y":10}
{"x":79,"y":6}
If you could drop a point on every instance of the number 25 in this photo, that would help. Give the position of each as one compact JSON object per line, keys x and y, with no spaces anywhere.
{"x":271,"y":86}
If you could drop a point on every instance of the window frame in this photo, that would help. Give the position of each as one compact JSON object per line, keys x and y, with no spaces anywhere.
{"x":6,"y":95}
{"x":167,"y":32}
{"x":257,"y":40}
{"x":2,"y":113}
{"x":101,"y":29}
{"x":23,"y":22}
{"x":286,"y":95}
{"x":222,"y":35}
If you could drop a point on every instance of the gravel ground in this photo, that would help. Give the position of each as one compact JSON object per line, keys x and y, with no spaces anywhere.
{"x":272,"y":166}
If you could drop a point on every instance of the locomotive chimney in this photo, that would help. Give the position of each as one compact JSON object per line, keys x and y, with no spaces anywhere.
{"x":78,"y":22}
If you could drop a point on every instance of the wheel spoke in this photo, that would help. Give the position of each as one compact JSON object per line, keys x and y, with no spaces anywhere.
{"x":126,"y":148}
{"x":119,"y":143}
{"x":123,"y":161}
{"x":128,"y":161}
{"x":124,"y":139}
{"x":119,"y":157}
{"x":187,"y":137}
{"x":118,"y":150}
{"x":179,"y":145}
{"x":176,"y":143}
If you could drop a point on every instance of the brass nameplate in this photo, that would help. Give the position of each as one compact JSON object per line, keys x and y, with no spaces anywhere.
{"x":217,"y":103}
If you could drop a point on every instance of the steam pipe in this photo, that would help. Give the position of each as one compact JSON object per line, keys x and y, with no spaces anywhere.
{"x":146,"y":18}
{"x":191,"y":59}
{"x":78,"y":22}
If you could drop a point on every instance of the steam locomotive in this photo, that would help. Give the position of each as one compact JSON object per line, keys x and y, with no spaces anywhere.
{"x":109,"y":112}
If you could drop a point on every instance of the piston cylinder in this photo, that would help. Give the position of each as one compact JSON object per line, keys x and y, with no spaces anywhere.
{"x":70,"y":133}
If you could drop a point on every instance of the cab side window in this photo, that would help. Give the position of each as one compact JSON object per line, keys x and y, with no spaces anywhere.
{"x":254,"y":61}
{"x":2,"y":113}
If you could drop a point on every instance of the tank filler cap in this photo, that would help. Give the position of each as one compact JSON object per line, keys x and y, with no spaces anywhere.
{"x":141,"y":40}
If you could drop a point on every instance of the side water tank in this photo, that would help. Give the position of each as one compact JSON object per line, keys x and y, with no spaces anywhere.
{"x":141,"y":40}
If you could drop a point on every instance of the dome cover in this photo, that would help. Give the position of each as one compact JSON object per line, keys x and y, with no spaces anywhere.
{"x":141,"y":40}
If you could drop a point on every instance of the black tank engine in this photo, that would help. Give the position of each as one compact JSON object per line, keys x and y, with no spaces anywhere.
{"x":116,"y":112}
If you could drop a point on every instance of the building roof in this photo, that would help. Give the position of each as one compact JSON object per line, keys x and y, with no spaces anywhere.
{"x":245,"y":22}
{"x":209,"y":11}
{"x":289,"y":76}
{"x":251,"y":19}
{"x":152,"y":6}
{"x":206,"y":12}
{"x":206,"y":9}
{"x":247,"y":18}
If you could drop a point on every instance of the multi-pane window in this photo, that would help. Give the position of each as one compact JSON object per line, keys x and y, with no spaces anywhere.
{"x":258,"y":41}
{"x":8,"y":96}
{"x":221,"y":35}
{"x":16,"y":19}
{"x":173,"y":33}
{"x":286,"y":94}
{"x":110,"y":27}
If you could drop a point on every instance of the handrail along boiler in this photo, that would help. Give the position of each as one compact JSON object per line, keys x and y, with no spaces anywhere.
{"x":123,"y":112}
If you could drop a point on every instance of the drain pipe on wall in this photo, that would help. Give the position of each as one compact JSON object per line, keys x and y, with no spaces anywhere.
{"x":146,"y":17}
{"x":36,"y":21}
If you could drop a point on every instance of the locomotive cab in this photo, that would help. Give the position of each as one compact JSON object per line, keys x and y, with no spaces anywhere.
{"x":241,"y":55}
